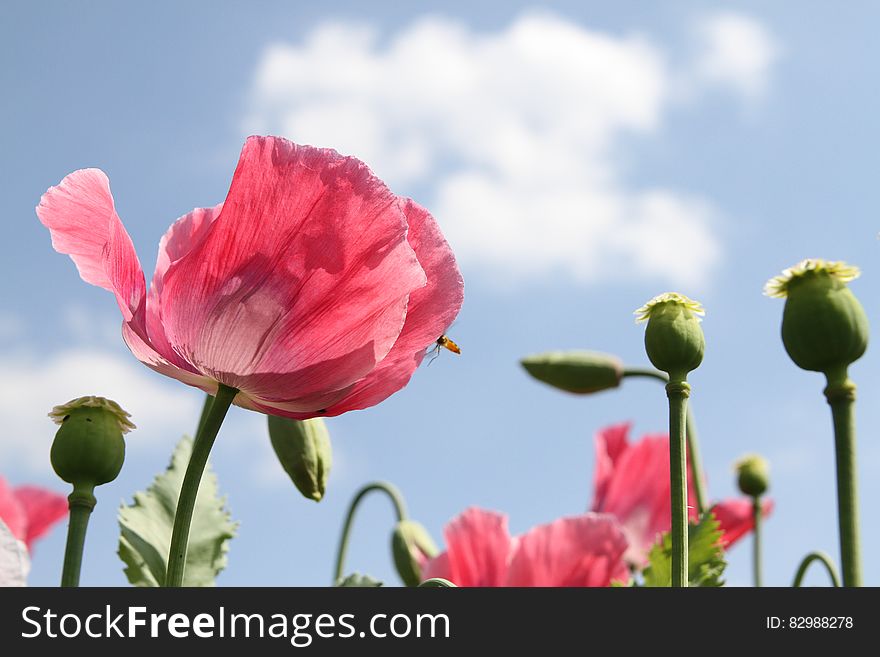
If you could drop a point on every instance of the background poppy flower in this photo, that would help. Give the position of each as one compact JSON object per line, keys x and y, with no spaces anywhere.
{"x":582,"y":550}
{"x":30,"y":511}
{"x":312,"y":289}
{"x":631,"y":482}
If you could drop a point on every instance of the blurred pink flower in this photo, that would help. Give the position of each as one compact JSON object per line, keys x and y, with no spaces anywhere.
{"x":582,"y":550}
{"x":30,"y":511}
{"x":312,"y":289}
{"x":631,"y":482}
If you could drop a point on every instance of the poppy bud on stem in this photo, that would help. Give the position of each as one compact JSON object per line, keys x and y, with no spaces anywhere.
{"x":303,"y":448}
{"x":88,"y":451}
{"x":675,"y":344}
{"x":412,"y":547}
{"x":753,"y":479}
{"x":824,"y":329}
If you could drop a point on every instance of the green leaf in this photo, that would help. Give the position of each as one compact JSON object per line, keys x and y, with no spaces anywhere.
{"x":145,"y":527}
{"x":357,"y":580}
{"x":706,"y":562}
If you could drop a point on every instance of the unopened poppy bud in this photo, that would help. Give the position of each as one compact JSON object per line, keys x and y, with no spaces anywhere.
{"x":674,"y":339}
{"x":304,"y":450}
{"x":437,"y":583}
{"x":411,"y":547}
{"x":580,"y":372}
{"x":89,"y":449}
{"x":753,"y":475}
{"x":824,"y":327}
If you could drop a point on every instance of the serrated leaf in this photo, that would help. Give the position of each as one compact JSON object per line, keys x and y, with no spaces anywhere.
{"x":145,"y":527}
{"x":358,"y":580}
{"x":706,"y":562}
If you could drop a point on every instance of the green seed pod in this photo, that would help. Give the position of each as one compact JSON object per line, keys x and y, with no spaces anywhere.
{"x":753,"y":475}
{"x":304,"y":450}
{"x":824,"y":327}
{"x":674,"y":339}
{"x":581,"y":372}
{"x":89,"y":449}
{"x":411,"y":547}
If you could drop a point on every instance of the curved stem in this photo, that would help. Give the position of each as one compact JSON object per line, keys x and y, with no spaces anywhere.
{"x":841,"y":397}
{"x":399,"y":509}
{"x":81,"y":504}
{"x":678,"y":394}
{"x":822,"y":558}
{"x":645,"y":372}
{"x":186,"y":503}
{"x":756,"y":541}
{"x":695,"y":462}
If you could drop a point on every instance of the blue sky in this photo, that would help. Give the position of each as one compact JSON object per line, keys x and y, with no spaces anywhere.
{"x":581,"y":158}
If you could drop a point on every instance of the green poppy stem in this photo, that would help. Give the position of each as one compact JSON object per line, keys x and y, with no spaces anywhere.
{"x":81,"y":503}
{"x":841,"y":395}
{"x":206,"y":408}
{"x":202,"y":445}
{"x":822,"y":558}
{"x":678,"y":394}
{"x":399,"y":509}
{"x":756,"y":541}
{"x":693,"y":444}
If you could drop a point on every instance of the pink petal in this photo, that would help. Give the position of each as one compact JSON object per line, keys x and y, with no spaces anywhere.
{"x":438,"y":567}
{"x":81,"y":217}
{"x":477,"y":550}
{"x":11,"y":511}
{"x":43,"y":507}
{"x":148,"y":354}
{"x":580,"y":551}
{"x":301,"y":284}
{"x":735,"y":518}
{"x":635,"y":488}
{"x":430,"y":311}
{"x":184,"y":235}
{"x":610,"y":444}
{"x":80,"y":214}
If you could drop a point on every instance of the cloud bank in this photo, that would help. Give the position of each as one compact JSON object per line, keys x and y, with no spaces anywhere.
{"x":513,"y":138}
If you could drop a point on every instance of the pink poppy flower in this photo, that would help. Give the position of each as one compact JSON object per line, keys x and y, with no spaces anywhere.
{"x":30,"y":511}
{"x":736,"y":519}
{"x":312,"y":288}
{"x":631,"y":482}
{"x":582,"y":550}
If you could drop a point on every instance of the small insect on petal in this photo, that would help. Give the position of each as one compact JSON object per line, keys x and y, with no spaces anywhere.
{"x":443,"y":342}
{"x":446,"y":343}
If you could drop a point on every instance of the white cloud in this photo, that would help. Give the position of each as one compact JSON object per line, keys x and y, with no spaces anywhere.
{"x":32,"y":385}
{"x":510,"y":138}
{"x":11,"y":326}
{"x":736,"y":52}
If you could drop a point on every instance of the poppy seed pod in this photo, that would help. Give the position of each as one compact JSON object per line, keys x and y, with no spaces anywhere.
{"x":824,"y":327}
{"x":674,"y":339}
{"x":581,"y":372}
{"x":411,"y":547}
{"x":304,"y":450}
{"x":753,"y":475}
{"x":89,"y":449}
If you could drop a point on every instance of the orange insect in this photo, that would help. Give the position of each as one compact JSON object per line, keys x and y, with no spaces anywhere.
{"x":446,"y":343}
{"x":443,"y":342}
